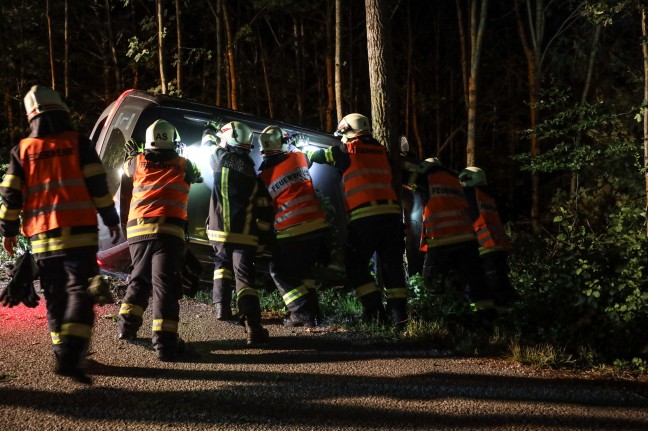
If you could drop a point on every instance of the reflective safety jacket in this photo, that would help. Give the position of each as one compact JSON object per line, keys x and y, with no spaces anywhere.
{"x":486,"y":221}
{"x":58,"y":184}
{"x":160,"y":195}
{"x":296,"y":205}
{"x":445,"y":214}
{"x":240,"y":206}
{"x":366,"y":175}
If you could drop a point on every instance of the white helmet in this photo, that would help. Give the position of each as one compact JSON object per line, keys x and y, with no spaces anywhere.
{"x":353,"y":125}
{"x":472,"y":176}
{"x":160,"y":136}
{"x":273,"y":140}
{"x":41,"y":99}
{"x":236,"y":134}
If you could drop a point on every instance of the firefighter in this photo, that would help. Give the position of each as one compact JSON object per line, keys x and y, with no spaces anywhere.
{"x":447,"y":234}
{"x":56,"y":180}
{"x":300,"y":225}
{"x":156,"y":237}
{"x":494,"y":243}
{"x":374,"y":218}
{"x":240,"y":210}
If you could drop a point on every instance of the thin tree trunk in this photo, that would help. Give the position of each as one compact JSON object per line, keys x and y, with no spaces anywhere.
{"x":462,"y":45}
{"x":476,"y":39}
{"x":532,"y":53}
{"x":266,"y":77}
{"x":66,"y":56}
{"x":50,"y":39}
{"x":160,"y":23}
{"x":338,"y":60}
{"x":298,"y":71}
{"x":644,"y":49}
{"x":381,"y":78}
{"x":584,"y":96}
{"x":179,"y":54}
{"x":408,"y":73}
{"x":113,"y":49}
{"x":415,"y":125}
{"x":331,"y":81}
{"x":231,"y":67}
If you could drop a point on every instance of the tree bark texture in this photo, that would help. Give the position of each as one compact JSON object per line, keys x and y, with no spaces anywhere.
{"x":338,"y":60}
{"x":160,"y":22}
{"x":231,"y":66}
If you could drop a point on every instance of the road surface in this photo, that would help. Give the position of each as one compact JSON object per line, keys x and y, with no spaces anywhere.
{"x":324,"y":379}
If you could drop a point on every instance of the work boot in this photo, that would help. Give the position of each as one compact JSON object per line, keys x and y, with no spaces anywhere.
{"x":68,"y":362}
{"x":127,"y":334}
{"x":295,"y":320}
{"x":223,"y":311}
{"x":397,"y":312}
{"x":256,"y":334}
{"x":374,"y":315}
{"x":172,"y":351}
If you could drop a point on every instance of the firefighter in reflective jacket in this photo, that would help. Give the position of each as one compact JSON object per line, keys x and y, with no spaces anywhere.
{"x":240,"y":210}
{"x":448,"y":236}
{"x":300,"y":225}
{"x":494,"y":243}
{"x":56,"y":180}
{"x":156,"y":237}
{"x":374,"y":214}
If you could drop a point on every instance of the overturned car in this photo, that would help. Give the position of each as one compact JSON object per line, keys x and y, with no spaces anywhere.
{"x":130,"y":115}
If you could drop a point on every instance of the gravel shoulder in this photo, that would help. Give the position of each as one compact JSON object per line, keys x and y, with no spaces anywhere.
{"x":302,"y":380}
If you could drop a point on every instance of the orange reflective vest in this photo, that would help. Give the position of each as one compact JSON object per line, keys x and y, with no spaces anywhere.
{"x":56,"y":195}
{"x":368,"y":178}
{"x":445,"y":216}
{"x":488,"y":226}
{"x":293,"y":195}
{"x":159,"y":189}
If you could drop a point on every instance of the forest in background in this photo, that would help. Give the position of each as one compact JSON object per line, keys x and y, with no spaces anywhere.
{"x":546,"y":96}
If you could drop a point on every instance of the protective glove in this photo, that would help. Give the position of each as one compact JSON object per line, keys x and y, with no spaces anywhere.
{"x":132,"y":148}
{"x":211,"y":133}
{"x":99,"y":290}
{"x":20,"y":288}
{"x":299,"y":140}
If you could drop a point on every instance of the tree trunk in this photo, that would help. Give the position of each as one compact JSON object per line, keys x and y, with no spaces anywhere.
{"x":331,"y":70}
{"x":533,"y":56}
{"x":298,"y":71}
{"x":584,"y":95}
{"x":160,"y":22}
{"x":462,"y":46}
{"x":50,"y":39}
{"x":381,"y":78}
{"x":179,"y":54}
{"x":476,"y":39}
{"x":338,"y":60}
{"x":113,"y":49}
{"x":266,"y":77}
{"x":66,"y":56}
{"x":644,"y":49}
{"x":231,"y":67}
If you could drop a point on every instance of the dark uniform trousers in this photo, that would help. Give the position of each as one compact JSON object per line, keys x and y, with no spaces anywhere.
{"x":157,"y":268}
{"x":496,"y":270}
{"x":70,"y":309}
{"x":384,"y":235}
{"x":456,"y":261}
{"x":293,"y":261}
{"x":234,"y":270}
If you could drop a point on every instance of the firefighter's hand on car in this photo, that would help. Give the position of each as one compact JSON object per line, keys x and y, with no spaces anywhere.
{"x":132,"y":148}
{"x":115,"y":233}
{"x":9,"y":243}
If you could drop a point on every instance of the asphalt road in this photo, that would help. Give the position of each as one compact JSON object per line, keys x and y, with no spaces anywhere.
{"x":303,"y":380}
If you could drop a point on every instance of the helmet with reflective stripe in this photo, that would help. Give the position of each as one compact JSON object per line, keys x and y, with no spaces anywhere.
{"x":41,"y":99}
{"x":353,"y":125}
{"x":237,"y":134}
{"x":472,"y":176}
{"x":273,"y":140}
{"x":160,"y":136}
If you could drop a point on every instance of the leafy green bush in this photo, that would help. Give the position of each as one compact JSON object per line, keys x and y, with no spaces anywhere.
{"x":582,"y":288}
